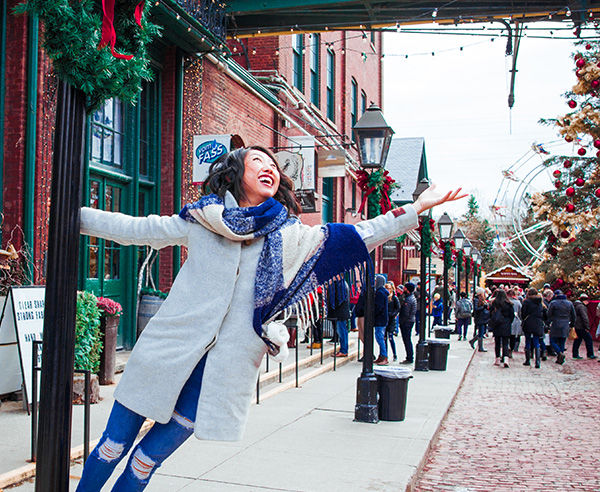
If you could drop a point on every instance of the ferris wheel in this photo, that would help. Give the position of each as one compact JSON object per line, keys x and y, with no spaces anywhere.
{"x":512,"y":206}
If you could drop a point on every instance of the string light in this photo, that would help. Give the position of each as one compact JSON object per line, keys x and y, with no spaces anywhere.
{"x":398,"y":27}
{"x":568,"y":12}
{"x":434,"y":13}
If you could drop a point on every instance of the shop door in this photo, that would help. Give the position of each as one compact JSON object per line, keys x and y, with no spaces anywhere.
{"x":105,"y":258}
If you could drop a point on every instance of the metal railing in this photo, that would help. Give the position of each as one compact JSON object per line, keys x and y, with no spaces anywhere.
{"x":211,"y":14}
{"x":34,"y":404}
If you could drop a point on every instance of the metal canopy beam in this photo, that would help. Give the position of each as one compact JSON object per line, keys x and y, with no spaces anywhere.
{"x":247,"y":17}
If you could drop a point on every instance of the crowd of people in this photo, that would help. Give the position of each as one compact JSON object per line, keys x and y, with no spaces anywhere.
{"x":509,"y":314}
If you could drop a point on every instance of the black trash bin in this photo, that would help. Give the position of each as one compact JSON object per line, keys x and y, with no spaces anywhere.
{"x":442,"y":331}
{"x":392,"y":387}
{"x":438,"y":354}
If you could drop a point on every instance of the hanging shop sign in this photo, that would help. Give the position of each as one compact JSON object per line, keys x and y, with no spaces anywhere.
{"x":307,"y":201}
{"x":22,"y":322}
{"x":298,"y":162}
{"x":332,"y":163}
{"x":207,"y":149}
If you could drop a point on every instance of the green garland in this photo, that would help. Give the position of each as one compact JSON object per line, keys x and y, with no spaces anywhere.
{"x":72,"y":32}
{"x":447,"y":256}
{"x":459,"y":260}
{"x":426,"y":235}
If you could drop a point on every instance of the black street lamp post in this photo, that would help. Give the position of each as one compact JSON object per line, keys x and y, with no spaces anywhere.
{"x":476,"y":257}
{"x":422,"y":352}
{"x":459,"y":240}
{"x":373,"y":137}
{"x":445,"y":227}
{"x":467,"y":248}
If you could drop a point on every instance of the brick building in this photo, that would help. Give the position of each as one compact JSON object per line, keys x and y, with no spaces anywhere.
{"x":257,"y":90}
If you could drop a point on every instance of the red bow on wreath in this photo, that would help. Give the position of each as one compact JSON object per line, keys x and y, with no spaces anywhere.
{"x":109,"y":36}
{"x":363,"y":181}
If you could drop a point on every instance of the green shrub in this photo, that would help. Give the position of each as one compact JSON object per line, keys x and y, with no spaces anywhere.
{"x":88,"y":344}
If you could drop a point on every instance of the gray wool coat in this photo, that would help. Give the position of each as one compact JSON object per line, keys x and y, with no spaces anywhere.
{"x":209,"y":309}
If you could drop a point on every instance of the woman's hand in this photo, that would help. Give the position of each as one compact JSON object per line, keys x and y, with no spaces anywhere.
{"x":430,"y":198}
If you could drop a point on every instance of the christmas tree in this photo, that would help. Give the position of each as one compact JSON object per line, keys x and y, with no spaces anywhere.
{"x":572,"y":258}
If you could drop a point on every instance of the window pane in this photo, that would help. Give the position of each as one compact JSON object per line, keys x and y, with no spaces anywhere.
{"x":92,"y":258}
{"x":94,"y":193}
{"x":107,"y":146}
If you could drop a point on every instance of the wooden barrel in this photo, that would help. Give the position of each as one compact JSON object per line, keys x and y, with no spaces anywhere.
{"x":149,"y":305}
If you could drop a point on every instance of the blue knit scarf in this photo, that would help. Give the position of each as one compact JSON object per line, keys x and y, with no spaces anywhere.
{"x":295,"y":258}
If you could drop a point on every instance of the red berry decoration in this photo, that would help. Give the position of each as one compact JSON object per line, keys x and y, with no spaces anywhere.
{"x":567,"y":164}
{"x":569,"y":138}
{"x":570,"y":191}
{"x":572,"y":104}
{"x":581,"y":151}
{"x":579,"y":181}
{"x":556,"y":174}
{"x":557,"y":184}
{"x":570,"y":208}
{"x":565,"y":234}
{"x":580,"y":63}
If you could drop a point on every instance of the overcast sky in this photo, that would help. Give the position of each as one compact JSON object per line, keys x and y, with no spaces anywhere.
{"x":457,"y":100}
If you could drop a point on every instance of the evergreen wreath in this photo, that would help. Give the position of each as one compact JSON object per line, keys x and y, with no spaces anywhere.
{"x":72,"y":35}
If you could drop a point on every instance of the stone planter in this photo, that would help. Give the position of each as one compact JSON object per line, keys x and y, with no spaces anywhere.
{"x":108,"y":326}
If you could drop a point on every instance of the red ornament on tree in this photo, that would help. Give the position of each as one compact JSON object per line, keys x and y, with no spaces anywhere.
{"x":570,"y":191}
{"x":579,"y":181}
{"x":578,"y":73}
{"x":571,"y":239}
{"x":572,"y":104}
{"x":594,"y":84}
{"x":597,"y":144}
{"x":570,"y":208}
{"x":581,"y":151}
{"x":553,"y":251}
{"x":577,"y":251}
{"x":588,"y":46}
{"x":567,"y":164}
{"x":557,"y":184}
{"x":597,"y":193}
{"x":568,"y":138}
{"x":580,"y":63}
{"x":596,"y":243}
{"x":565,"y":234}
{"x":556,"y":173}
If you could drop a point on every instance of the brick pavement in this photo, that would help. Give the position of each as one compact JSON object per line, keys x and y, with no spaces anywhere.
{"x":519,"y":429}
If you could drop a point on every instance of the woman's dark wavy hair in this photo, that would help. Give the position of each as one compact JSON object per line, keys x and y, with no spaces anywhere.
{"x":227,"y":172}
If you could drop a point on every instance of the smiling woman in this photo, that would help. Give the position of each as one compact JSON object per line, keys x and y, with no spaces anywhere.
{"x":249,"y":260}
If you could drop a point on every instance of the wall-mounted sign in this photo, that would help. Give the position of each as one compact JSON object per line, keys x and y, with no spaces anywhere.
{"x":298,"y":162}
{"x":307,"y":201}
{"x":207,"y":149}
{"x":332,"y":163}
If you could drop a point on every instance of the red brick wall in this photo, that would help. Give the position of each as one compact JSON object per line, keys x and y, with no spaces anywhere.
{"x":14,"y":124}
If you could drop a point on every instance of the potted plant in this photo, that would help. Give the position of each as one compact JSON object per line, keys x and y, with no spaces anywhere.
{"x":110,"y":313}
{"x":88,"y":345}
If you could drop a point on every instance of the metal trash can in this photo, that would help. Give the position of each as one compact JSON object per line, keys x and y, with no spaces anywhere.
{"x":392,"y":387}
{"x":438,"y":354}
{"x":442,"y":331}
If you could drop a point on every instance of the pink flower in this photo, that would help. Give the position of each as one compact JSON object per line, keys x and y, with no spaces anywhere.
{"x":109,"y":307}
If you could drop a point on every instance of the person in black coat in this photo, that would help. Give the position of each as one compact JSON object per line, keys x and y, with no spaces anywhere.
{"x":533,"y":313}
{"x":481,"y":317}
{"x":406,"y":319}
{"x":561,"y":314}
{"x":502,"y":314}
{"x":582,"y":327}
{"x":338,"y":311}
{"x":393,"y":310}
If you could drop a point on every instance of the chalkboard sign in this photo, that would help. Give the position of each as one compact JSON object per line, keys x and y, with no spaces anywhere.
{"x":23,"y":317}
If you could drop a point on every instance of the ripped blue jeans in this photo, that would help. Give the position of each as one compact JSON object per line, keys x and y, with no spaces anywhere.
{"x":157,"y":445}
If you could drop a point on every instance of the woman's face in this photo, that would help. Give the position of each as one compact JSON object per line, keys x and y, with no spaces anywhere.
{"x":390,"y":288}
{"x":261,"y":178}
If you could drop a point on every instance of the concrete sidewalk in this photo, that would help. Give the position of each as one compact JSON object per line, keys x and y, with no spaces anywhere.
{"x":304,"y":439}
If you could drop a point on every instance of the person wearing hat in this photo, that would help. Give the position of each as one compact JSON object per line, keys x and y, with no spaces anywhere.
{"x":561,"y":315}
{"x":406,"y":319}
{"x":582,"y":327}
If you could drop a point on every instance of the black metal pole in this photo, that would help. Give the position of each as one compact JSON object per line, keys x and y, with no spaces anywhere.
{"x":457,"y":292}
{"x":422,"y":352}
{"x":366,"y":386}
{"x":445,"y":292}
{"x":54,"y":432}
